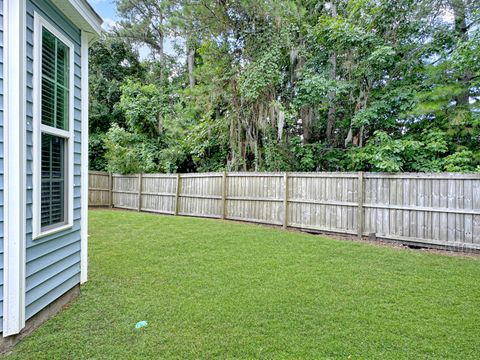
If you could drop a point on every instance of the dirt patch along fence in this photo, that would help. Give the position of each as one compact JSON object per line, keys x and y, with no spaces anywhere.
{"x":437,"y":209}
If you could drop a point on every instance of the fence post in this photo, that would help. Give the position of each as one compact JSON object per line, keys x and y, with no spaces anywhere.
{"x":360,"y":199}
{"x":177,"y":195}
{"x":224,"y":195}
{"x":285,"y":200}
{"x":110,"y":190}
{"x":140,"y":192}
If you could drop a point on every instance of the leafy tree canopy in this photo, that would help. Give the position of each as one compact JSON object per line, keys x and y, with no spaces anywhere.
{"x":294,"y":85}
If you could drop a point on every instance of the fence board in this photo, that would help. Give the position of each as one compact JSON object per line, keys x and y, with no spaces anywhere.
{"x":441,"y":209}
{"x":99,"y":189}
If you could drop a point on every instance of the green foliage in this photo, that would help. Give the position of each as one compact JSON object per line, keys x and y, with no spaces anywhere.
{"x":313,"y":89}
{"x":129,"y":153}
{"x":141,"y":107}
{"x":96,"y":152}
{"x":424,"y":153}
{"x":207,"y":144}
{"x":463,"y":161}
{"x":382,"y":153}
{"x":289,"y":85}
{"x":261,"y":74}
{"x":112,"y":61}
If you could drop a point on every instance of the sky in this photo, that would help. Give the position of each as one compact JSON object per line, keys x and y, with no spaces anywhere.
{"x":107,"y":10}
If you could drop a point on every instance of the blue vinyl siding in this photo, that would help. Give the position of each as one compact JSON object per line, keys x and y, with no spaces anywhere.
{"x":1,"y":165}
{"x":53,"y":262}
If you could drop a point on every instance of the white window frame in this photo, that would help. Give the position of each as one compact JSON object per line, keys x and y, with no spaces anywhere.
{"x":39,"y":128}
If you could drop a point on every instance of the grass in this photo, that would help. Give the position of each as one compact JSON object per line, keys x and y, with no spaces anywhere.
{"x":213,"y":289}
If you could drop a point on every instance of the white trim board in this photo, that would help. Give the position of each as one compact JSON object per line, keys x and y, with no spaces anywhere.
{"x":84,"y":161}
{"x":40,"y":23}
{"x":14,"y":167}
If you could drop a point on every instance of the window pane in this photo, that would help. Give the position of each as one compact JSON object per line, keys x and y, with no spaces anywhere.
{"x":55,"y":81}
{"x":62,"y":108}
{"x":53,"y":180}
{"x":48,"y":102}
{"x":48,"y":54}
{"x":62,"y":64}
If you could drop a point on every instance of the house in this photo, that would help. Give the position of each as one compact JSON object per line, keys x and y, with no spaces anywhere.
{"x":43,"y":156}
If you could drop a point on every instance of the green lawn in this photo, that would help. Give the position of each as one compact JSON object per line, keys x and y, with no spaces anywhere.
{"x":213,"y":289}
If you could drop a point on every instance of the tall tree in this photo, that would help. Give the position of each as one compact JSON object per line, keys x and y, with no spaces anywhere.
{"x":112,"y":61}
{"x":302,"y":85}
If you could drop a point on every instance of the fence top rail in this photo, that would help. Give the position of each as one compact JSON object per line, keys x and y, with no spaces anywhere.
{"x":198,"y":175}
{"x":339,"y":174}
{"x":255,"y":174}
{"x":323,"y":174}
{"x":129,"y":176}
{"x":441,"y":176}
{"x":160,"y":176}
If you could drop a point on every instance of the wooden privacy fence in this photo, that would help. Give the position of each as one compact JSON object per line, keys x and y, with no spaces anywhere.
{"x":99,"y":188}
{"x":437,"y":209}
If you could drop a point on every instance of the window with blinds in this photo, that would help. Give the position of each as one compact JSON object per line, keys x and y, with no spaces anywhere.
{"x":55,"y":81}
{"x":53,"y":180}
{"x":54,"y":99}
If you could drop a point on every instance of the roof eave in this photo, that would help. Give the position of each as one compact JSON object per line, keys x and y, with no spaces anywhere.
{"x":82,"y":15}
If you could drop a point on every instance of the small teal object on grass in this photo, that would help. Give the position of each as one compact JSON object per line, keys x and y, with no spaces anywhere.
{"x":141,"y":324}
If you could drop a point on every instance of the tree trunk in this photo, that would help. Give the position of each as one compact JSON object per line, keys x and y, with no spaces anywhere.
{"x":355,"y":136}
{"x":462,"y":34}
{"x":161,"y":45}
{"x":332,"y":94}
{"x":160,"y":123}
{"x":306,"y":116}
{"x":191,"y":66}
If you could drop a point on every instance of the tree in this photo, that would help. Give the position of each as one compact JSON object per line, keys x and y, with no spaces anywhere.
{"x":112,"y":61}
{"x":299,"y":85}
